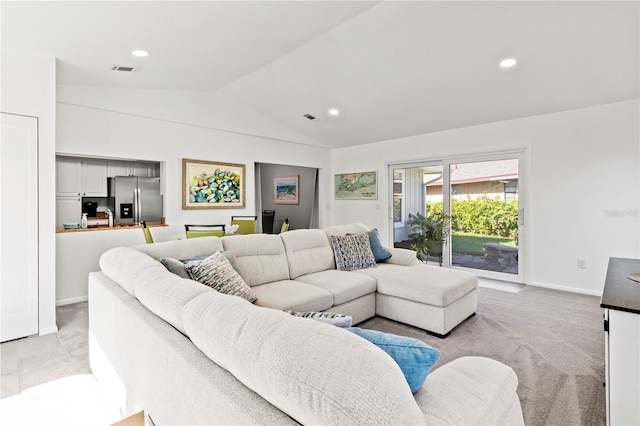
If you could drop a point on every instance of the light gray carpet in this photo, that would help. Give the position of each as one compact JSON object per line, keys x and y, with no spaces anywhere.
{"x":553,"y":340}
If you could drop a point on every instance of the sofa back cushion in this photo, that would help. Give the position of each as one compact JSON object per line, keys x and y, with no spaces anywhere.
{"x":351,"y":228}
{"x":161,"y":291}
{"x":261,"y":258}
{"x":316,"y":373}
{"x":308,"y":251}
{"x":182,"y":249}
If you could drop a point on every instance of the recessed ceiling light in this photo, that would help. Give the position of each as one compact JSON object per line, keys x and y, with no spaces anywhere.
{"x":140,"y":53}
{"x":508,"y":63}
{"x":334,"y":111}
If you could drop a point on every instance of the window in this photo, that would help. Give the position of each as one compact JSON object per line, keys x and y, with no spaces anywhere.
{"x":398,"y":182}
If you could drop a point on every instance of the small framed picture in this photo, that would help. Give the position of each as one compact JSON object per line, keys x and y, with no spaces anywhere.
{"x":285,"y":190}
{"x":212,"y":185}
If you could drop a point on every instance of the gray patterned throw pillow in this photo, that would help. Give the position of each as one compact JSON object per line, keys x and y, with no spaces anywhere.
{"x":216,"y":272}
{"x":352,"y":252}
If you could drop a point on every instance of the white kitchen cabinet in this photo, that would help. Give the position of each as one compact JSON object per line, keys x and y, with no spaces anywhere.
{"x":68,"y":177}
{"x":133,"y":168}
{"x":94,"y":178}
{"x":78,"y":177}
{"x":68,"y":210}
{"x":118,"y":168}
{"x":142,"y":169}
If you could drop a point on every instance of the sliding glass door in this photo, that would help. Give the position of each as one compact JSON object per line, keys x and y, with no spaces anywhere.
{"x":480,"y":201}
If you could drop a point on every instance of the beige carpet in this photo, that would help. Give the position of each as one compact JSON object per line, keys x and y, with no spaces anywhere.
{"x":553,"y":340}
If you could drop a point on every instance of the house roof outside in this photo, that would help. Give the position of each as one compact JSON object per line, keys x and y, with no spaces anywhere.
{"x":500,"y":170}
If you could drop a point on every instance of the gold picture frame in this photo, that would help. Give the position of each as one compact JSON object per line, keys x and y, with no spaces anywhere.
{"x":212,"y":185}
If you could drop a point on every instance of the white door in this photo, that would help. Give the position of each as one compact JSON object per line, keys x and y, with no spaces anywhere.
{"x":18,"y":226}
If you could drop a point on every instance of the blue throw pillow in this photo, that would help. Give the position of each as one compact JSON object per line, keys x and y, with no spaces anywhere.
{"x":414,"y":357}
{"x":379,"y":251}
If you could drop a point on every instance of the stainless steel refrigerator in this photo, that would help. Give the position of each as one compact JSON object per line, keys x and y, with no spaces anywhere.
{"x":135,"y":199}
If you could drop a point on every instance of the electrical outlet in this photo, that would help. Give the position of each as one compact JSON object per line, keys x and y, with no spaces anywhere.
{"x":582,"y":263}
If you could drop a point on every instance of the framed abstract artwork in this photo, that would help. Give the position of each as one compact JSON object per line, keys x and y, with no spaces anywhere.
{"x":356,"y":186}
{"x":212,"y":185}
{"x":286,"y":190}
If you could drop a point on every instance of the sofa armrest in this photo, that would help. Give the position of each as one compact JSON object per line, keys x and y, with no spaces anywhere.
{"x":402,"y":257}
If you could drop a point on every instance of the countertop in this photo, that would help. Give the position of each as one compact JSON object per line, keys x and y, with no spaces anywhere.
{"x":621,"y":293}
{"x":61,"y":230}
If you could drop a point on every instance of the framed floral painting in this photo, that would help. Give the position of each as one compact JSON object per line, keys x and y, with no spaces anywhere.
{"x":285,"y":190}
{"x":212,"y":185}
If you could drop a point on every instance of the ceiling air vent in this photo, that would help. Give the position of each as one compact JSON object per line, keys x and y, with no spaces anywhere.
{"x":310,"y":117}
{"x":122,"y":68}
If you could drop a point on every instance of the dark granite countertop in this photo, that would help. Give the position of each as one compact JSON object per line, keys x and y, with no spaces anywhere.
{"x":621,"y":293}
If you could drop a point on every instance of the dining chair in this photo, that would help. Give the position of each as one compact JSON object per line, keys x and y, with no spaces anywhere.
{"x":267,"y":221}
{"x":195,"y":231}
{"x":147,"y":233}
{"x":246,"y":224}
{"x":285,"y":226}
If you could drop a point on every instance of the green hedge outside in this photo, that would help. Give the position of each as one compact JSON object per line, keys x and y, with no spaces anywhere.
{"x":480,"y":216}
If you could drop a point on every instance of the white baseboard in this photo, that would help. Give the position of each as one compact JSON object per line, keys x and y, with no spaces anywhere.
{"x":72,"y":300}
{"x":49,"y":330}
{"x":565,"y":288}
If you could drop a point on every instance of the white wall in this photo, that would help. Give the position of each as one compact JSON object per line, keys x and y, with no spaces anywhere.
{"x":583,"y":169}
{"x":28,"y":88}
{"x":121,"y":123}
{"x":167,"y":126}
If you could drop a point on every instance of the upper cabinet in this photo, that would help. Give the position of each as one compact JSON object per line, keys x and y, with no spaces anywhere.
{"x":94,"y":177}
{"x":133,"y":168}
{"x":68,"y":177}
{"x":81,"y":177}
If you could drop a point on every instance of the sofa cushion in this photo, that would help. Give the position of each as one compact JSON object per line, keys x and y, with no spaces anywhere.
{"x":293,"y":295}
{"x":471,"y":390}
{"x":261,"y":258}
{"x":316,"y":373}
{"x":427,"y":284}
{"x":216,"y":272}
{"x":182,"y":249}
{"x":352,"y":252}
{"x":414,"y":357}
{"x":351,"y":228}
{"x":308,"y":251}
{"x":124,"y":265}
{"x":345,"y":286}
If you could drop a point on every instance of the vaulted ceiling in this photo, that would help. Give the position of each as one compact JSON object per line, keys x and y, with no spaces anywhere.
{"x":392,"y":68}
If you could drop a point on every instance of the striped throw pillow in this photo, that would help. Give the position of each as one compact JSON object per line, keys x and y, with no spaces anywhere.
{"x":352,"y":252}
{"x":217,"y":272}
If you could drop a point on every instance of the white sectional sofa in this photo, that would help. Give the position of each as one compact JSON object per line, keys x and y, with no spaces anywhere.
{"x":187,"y":354}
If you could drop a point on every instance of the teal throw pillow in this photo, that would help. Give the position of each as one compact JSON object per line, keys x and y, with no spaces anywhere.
{"x":379,"y":251}
{"x":414,"y":357}
{"x":230,"y":257}
{"x":175,"y":266}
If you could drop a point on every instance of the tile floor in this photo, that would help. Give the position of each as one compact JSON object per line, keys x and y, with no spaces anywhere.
{"x":46,"y":380}
{"x":35,"y":360}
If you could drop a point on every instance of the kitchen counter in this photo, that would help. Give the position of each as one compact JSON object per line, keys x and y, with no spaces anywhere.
{"x":61,"y":230}
{"x":621,"y":293}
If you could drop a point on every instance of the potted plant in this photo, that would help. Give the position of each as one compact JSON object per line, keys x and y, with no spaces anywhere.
{"x":430,"y":234}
